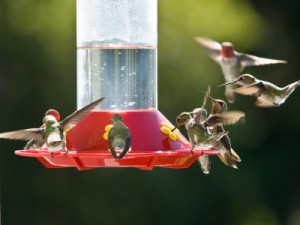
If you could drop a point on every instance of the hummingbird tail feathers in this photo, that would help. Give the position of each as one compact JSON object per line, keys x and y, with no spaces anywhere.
{"x":227,"y":159}
{"x":229,"y":93}
{"x":205,"y":163}
{"x":235,"y":156}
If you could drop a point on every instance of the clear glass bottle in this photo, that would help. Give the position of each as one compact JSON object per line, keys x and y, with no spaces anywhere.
{"x":117,"y":53}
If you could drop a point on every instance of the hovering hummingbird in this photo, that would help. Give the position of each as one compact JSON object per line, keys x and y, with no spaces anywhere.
{"x":219,"y":114}
{"x":232,"y":63}
{"x":227,"y":155}
{"x":119,"y":137}
{"x":199,"y":137}
{"x":266,"y":93}
{"x":35,"y":144}
{"x":52,"y":132}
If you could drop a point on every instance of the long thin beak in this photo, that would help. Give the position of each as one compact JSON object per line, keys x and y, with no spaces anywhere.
{"x":205,"y":94}
{"x":232,"y":82}
{"x":174,"y":128}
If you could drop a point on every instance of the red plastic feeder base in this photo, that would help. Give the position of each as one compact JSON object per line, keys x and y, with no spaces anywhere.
{"x":149,"y":146}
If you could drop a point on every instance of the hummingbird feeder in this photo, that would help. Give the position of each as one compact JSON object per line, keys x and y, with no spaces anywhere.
{"x":117,"y":59}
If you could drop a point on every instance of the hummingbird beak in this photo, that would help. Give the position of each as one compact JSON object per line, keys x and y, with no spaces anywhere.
{"x":232,"y":82}
{"x":205,"y":94}
{"x":174,"y":128}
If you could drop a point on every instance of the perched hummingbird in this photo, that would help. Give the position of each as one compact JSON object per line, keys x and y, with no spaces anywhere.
{"x":52,"y":132}
{"x":227,"y":155}
{"x":232,"y":63}
{"x":266,"y":93}
{"x":199,"y":137}
{"x":200,"y":115}
{"x":35,"y":144}
{"x":119,"y":137}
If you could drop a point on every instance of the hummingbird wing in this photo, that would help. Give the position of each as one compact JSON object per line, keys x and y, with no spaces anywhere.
{"x":126,"y":141}
{"x":212,"y":48}
{"x":235,"y":156}
{"x":264,"y":103}
{"x":218,"y":136}
{"x":251,"y":60}
{"x":206,"y":95}
{"x":252,"y":89}
{"x":127,"y":145}
{"x":232,"y":117}
{"x":111,"y":136}
{"x":27,"y":134}
{"x":227,"y":159}
{"x":226,"y":118}
{"x":78,"y":115}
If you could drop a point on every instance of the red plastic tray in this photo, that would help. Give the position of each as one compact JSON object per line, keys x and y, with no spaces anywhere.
{"x":150,"y":147}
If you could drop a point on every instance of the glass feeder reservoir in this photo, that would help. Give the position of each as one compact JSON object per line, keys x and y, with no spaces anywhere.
{"x":117,"y":53}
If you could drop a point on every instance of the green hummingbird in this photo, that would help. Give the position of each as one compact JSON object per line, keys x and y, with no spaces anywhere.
{"x":35,"y":144}
{"x":218,"y":117}
{"x":231,"y":62}
{"x":52,"y":132}
{"x":200,"y":115}
{"x":199,"y":137}
{"x":119,"y":137}
{"x":266,"y":93}
{"x":227,"y":155}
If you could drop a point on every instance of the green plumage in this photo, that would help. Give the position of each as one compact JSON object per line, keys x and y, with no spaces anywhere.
{"x":119,"y":137}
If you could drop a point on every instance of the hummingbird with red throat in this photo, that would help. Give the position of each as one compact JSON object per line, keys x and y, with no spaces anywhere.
{"x":232,"y":62}
{"x":53,"y":131}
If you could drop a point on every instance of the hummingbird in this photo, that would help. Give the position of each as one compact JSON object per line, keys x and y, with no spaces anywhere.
{"x":199,"y":115}
{"x":34,"y":144}
{"x":232,"y":62}
{"x":219,"y":117}
{"x":219,"y":114}
{"x":52,"y":132}
{"x":227,"y":155}
{"x":199,"y":137}
{"x":119,"y":137}
{"x":266,"y":93}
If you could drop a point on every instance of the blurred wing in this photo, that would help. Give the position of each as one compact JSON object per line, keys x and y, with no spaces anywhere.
{"x":218,"y":136}
{"x":252,"y":89}
{"x":232,"y":117}
{"x":251,"y":60}
{"x":78,"y":115}
{"x":206,"y":94}
{"x":261,"y":102}
{"x":27,"y":134}
{"x":226,"y":118}
{"x":214,"y":120}
{"x":212,"y":48}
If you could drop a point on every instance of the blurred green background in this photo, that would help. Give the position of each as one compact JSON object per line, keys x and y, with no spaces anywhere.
{"x":38,"y":71}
